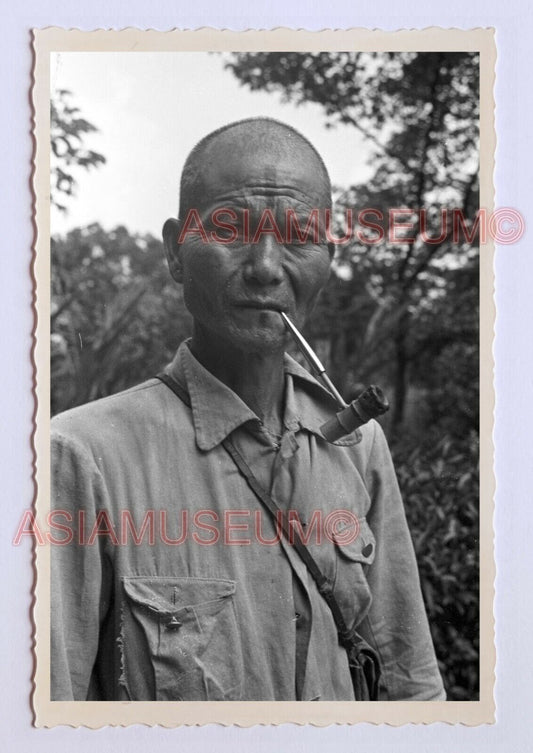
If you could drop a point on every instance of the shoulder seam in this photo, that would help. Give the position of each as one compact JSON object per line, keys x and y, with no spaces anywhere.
{"x":148,"y":384}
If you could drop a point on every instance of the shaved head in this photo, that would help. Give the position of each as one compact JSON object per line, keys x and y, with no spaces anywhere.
{"x":265,"y":138}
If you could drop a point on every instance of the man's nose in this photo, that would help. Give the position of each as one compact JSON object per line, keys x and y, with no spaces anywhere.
{"x":264,"y":262}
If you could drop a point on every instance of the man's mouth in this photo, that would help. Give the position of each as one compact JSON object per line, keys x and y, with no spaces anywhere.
{"x":262,"y":305}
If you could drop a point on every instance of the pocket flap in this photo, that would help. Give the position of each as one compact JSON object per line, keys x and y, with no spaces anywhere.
{"x":168,"y":595}
{"x":362,"y":549}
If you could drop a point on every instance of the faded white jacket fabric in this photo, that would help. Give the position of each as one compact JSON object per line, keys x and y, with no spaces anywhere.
{"x":172,"y":583}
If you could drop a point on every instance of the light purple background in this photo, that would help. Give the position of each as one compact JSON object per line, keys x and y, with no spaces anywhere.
{"x":514,"y":377}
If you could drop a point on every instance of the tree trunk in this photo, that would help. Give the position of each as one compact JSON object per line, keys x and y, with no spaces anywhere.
{"x":400,"y":378}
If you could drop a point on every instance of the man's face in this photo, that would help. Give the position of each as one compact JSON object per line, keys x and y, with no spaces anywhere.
{"x":236,"y":290}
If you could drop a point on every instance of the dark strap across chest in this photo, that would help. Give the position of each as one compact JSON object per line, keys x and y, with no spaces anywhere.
{"x":347,"y":638}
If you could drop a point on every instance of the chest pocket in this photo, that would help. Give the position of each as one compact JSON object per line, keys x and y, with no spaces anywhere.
{"x":351,"y":588}
{"x":188,"y":629}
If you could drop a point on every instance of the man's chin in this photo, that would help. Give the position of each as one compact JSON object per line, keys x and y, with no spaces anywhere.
{"x":264,"y":341}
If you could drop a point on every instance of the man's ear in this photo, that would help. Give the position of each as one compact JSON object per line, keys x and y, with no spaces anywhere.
{"x":171,"y":232}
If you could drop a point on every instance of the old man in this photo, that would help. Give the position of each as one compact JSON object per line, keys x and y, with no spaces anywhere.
{"x":200,"y":596}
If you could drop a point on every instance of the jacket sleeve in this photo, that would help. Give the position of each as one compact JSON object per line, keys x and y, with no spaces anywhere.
{"x":396,"y":624}
{"x":80,"y":572}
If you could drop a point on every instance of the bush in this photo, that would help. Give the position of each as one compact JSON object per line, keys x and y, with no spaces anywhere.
{"x":440,"y":487}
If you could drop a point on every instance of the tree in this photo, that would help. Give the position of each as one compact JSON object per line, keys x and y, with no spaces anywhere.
{"x":117,"y":317}
{"x":418,"y":113}
{"x":67,"y":132}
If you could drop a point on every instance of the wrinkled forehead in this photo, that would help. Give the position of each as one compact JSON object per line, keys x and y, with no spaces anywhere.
{"x":237,"y":168}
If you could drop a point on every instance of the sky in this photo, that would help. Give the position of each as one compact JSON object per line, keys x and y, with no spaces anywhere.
{"x":150,"y":109}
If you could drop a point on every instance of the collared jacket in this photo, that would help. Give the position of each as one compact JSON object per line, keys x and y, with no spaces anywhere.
{"x":170,"y":582}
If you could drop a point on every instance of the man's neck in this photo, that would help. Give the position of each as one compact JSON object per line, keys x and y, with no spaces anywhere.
{"x":257,"y":378}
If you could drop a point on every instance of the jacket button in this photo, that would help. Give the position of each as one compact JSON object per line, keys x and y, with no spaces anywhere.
{"x":367,"y":550}
{"x":173,"y":624}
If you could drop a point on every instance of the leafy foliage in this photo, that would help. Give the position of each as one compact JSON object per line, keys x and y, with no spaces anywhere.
{"x":67,"y":132}
{"x":117,"y":317}
{"x":439,"y":483}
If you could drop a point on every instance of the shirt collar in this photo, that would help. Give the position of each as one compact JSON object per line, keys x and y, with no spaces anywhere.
{"x":217,"y":410}
{"x":312,"y":403}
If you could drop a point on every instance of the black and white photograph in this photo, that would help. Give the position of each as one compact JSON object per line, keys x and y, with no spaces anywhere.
{"x":268,"y":286}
